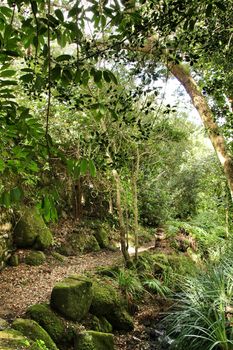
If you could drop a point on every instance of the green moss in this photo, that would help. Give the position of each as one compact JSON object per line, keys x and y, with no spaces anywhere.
{"x":31,"y":231}
{"x":101,"y":234}
{"x":121,"y":320}
{"x":99,"y":324}
{"x":13,"y":260}
{"x":54,"y":325}
{"x":79,"y":243}
{"x":35,"y":258}
{"x":108,"y":303}
{"x":11,"y":339}
{"x":105,"y":298}
{"x":58,"y":256}
{"x":72,"y":297}
{"x":92,"y":245}
{"x":91,"y":340}
{"x":3,"y":324}
{"x":34,"y":331}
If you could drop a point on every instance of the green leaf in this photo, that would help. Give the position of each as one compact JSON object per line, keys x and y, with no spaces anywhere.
{"x":63,"y":58}
{"x":59,"y":15}
{"x":8,"y":82}
{"x":7,"y":73}
{"x":85,"y":77}
{"x":83,"y":166}
{"x":16,"y":194}
{"x":10,"y":53}
{"x":6,"y":199}
{"x":112,"y":77}
{"x":76,"y":171}
{"x":56,"y":72}
{"x":92,"y":168}
{"x":97,"y":76}
{"x":106,"y":76}
{"x":6,"y":11}
{"x":102,"y":109}
{"x":2,"y":165}
{"x":33,"y":166}
{"x":27,"y":78}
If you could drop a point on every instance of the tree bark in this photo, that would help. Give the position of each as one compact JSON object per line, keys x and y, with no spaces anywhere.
{"x":124,"y":250}
{"x":200,"y":103}
{"x":77,"y":201}
{"x":135,"y":202}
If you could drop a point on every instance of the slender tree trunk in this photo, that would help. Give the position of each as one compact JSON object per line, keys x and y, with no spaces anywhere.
{"x":77,"y":202}
{"x":110,"y":204}
{"x":200,"y":103}
{"x":124,"y":250}
{"x":127,"y":227}
{"x":135,"y":202}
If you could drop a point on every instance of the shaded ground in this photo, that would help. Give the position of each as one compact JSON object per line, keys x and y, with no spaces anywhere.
{"x":25,"y":285}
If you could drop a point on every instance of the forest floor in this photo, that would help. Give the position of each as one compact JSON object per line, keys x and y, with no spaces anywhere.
{"x":24,"y":285}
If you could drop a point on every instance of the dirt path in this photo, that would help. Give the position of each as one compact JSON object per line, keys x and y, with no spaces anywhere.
{"x":25,"y":285}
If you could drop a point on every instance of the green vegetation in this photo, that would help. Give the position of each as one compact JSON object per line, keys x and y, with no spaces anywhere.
{"x":93,"y":143}
{"x":203,"y":319}
{"x":35,"y":258}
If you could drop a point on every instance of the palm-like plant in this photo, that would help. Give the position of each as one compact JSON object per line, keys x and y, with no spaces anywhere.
{"x":203,"y":318}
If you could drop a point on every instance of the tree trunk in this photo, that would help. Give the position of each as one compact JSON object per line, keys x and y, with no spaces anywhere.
{"x":135,"y":202}
{"x":200,"y":103}
{"x":124,"y":250}
{"x":77,"y":201}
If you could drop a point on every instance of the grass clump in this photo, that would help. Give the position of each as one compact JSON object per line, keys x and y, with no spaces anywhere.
{"x":203,"y":318}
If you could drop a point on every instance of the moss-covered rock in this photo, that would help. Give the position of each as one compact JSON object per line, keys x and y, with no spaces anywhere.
{"x":58,"y":256}
{"x":13,"y":260}
{"x":101,"y":234}
{"x":34,"y":331}
{"x":53,"y":324}
{"x":31,"y":231}
{"x":121,"y":320}
{"x":91,"y":340}
{"x":3,"y":324}
{"x":99,"y":324}
{"x":72,"y":297}
{"x":79,"y":242}
{"x":11,"y":339}
{"x":108,"y":303}
{"x":35,"y":258}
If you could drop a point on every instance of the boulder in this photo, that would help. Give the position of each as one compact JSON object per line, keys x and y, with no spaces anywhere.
{"x":109,"y":304}
{"x":34,"y":331}
{"x":13,"y":260}
{"x":79,"y":242}
{"x":31,"y":231}
{"x":11,"y":339}
{"x":72,"y":297}
{"x":35,"y":258}
{"x":99,"y":324}
{"x":53,"y":324}
{"x":91,"y":340}
{"x":101,"y":235}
